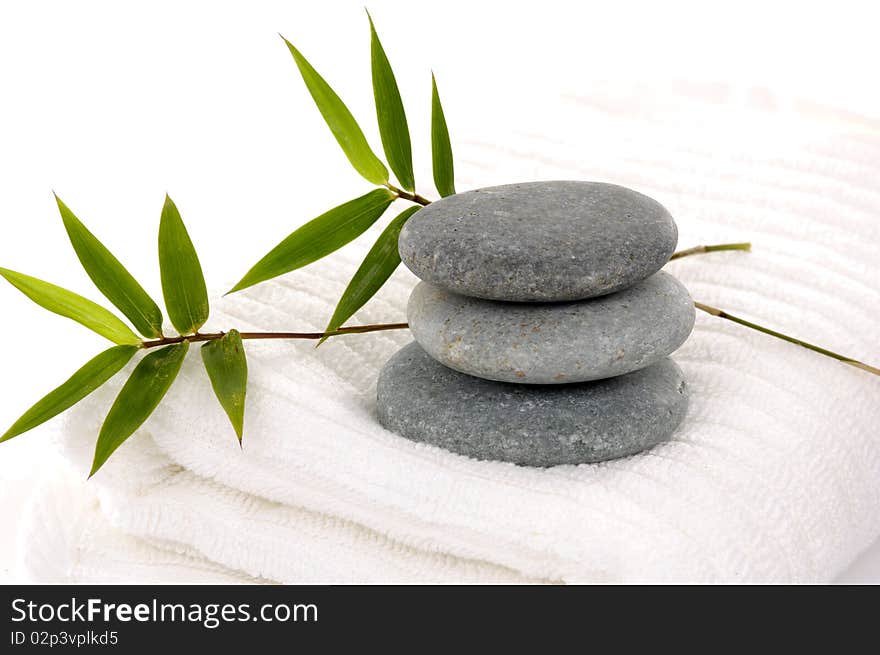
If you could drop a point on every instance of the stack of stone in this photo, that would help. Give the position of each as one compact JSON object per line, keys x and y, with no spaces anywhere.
{"x":542,"y":326}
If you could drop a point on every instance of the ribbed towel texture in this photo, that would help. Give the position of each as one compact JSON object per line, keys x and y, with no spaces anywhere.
{"x":773,"y":477}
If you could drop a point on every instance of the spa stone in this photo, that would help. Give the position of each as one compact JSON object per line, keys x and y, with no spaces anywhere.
{"x":553,"y":343}
{"x":424,"y":401}
{"x":539,"y":241}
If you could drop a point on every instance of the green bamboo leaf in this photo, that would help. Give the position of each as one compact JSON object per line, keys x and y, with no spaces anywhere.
{"x":183,"y":284}
{"x":393,"y":127}
{"x":91,"y":376}
{"x":319,"y":237}
{"x":441,"y":148}
{"x":111,"y":277}
{"x":73,"y":306}
{"x":142,"y":393}
{"x":226,"y":365}
{"x":376,"y":268}
{"x":340,"y":121}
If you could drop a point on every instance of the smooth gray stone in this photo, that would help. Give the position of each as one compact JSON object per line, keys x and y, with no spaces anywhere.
{"x":539,"y":241}
{"x":553,"y":343}
{"x":424,"y":401}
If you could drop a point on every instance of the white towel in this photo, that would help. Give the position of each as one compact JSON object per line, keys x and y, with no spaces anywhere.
{"x":773,"y":477}
{"x":68,"y":539}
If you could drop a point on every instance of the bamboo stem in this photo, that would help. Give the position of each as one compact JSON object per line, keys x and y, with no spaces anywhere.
{"x":362,"y":329}
{"x":406,"y":195}
{"x":720,"y":313}
{"x":212,"y":336}
{"x":697,"y":250}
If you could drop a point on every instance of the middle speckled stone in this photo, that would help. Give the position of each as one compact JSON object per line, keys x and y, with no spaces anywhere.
{"x":553,"y":343}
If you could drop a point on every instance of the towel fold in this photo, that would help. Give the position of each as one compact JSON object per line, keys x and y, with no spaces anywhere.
{"x":773,"y":477}
{"x":69,"y":540}
{"x":179,"y":530}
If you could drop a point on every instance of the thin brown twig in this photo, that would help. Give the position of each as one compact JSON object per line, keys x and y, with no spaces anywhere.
{"x":212,"y":336}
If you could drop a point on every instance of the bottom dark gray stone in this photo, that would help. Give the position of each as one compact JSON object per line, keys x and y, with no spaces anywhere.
{"x":532,"y":425}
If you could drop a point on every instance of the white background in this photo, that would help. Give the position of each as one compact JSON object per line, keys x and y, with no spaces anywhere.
{"x":112,"y":104}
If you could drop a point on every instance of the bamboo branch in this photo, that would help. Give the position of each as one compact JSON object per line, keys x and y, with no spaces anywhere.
{"x":212,"y":336}
{"x":720,"y":313}
{"x":697,"y":250}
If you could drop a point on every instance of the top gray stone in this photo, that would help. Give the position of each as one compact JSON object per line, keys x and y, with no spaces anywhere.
{"x":539,"y":241}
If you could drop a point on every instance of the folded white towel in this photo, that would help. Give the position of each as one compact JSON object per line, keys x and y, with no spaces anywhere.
{"x":78,"y":534}
{"x":774,"y":475}
{"x":68,"y":539}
